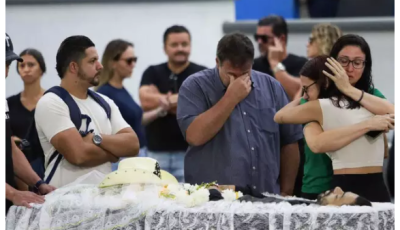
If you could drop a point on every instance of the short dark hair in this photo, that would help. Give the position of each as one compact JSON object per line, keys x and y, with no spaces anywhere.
{"x":37,"y":55}
{"x":72,"y":49}
{"x":236,"y":48}
{"x":175,"y":29}
{"x":278,"y":23}
{"x":361,"y":201}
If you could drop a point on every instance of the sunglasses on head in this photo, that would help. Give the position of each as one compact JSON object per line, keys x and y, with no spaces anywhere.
{"x":263,"y":38}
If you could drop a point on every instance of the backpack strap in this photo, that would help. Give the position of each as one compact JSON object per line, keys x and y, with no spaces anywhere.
{"x":74,"y":111}
{"x":100,"y":100}
{"x":55,"y":166}
{"x":75,"y":114}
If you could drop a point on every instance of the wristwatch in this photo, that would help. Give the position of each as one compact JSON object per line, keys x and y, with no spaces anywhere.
{"x":38,"y":184}
{"x":162,"y":113}
{"x":97,"y":139}
{"x":278,"y":68}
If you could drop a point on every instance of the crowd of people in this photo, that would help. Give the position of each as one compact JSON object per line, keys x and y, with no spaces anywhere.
{"x":238,"y":123}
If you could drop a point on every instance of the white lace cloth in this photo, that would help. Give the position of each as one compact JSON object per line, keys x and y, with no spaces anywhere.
{"x":138,"y":207}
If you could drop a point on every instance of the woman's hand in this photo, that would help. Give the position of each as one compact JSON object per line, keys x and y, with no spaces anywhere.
{"x":340,"y":77}
{"x":381,"y":123}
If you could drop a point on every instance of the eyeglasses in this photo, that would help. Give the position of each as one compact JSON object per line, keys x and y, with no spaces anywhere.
{"x":129,"y":61}
{"x":357,"y":63}
{"x":305,"y":89}
{"x":264,"y":38}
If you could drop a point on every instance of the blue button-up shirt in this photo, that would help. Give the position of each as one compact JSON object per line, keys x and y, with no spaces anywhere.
{"x":246,"y":151}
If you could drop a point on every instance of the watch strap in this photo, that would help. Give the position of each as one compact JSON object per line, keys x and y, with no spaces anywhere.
{"x":38,"y":184}
{"x":279,"y":67}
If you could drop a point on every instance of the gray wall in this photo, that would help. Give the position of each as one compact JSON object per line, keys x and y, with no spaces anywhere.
{"x":45,"y":26}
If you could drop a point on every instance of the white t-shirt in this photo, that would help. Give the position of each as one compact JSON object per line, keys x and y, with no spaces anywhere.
{"x":52,"y":117}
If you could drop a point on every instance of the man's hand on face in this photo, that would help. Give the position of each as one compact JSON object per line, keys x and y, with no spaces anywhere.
{"x":275,"y":53}
{"x":239,"y":88}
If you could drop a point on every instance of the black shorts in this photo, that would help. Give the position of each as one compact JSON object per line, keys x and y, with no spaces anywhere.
{"x":370,"y":186}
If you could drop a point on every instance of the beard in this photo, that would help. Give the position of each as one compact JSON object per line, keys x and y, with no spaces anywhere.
{"x":93,"y":81}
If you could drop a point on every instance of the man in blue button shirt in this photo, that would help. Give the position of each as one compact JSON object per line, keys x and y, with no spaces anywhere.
{"x":226,"y":114}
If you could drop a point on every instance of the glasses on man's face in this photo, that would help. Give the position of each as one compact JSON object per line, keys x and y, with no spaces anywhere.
{"x":304,"y":90}
{"x":357,"y":63}
{"x":263,"y":38}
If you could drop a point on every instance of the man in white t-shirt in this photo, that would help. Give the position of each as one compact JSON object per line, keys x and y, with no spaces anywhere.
{"x":107,"y":139}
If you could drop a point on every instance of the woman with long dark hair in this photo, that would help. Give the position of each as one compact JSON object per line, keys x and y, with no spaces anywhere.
{"x":344,"y":112}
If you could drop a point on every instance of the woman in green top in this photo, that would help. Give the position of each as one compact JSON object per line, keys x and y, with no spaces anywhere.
{"x":317,"y":167}
{"x":318,"y":170}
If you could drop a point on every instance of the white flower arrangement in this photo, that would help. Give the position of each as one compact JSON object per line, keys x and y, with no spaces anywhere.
{"x":186,"y":194}
{"x":194,"y":195}
{"x":231,"y":195}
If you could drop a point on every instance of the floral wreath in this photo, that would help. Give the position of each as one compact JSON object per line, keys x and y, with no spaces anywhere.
{"x":195,"y":195}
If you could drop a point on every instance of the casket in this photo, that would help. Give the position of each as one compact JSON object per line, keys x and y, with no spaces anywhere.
{"x":140,"y":207}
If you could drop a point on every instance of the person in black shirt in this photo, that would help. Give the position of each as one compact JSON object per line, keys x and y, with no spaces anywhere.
{"x":271,"y":36}
{"x":16,"y":162}
{"x":165,"y":141}
{"x":22,"y":105}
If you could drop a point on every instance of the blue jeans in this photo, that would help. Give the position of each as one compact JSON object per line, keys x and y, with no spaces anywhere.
{"x":142,"y":153}
{"x":171,"y":162}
